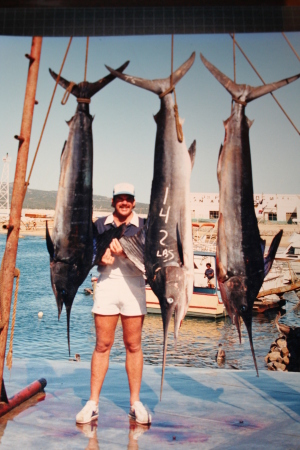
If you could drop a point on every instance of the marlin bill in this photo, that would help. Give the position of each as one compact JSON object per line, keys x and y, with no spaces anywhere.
{"x":241,"y":261}
{"x":73,"y":246}
{"x":164,"y":248}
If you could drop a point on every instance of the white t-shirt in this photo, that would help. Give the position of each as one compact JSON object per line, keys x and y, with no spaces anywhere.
{"x":122,"y":266}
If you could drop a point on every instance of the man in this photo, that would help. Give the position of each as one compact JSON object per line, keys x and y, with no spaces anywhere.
{"x":209,"y":274}
{"x":120,"y":290}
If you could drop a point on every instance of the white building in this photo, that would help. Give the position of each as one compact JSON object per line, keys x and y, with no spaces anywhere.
{"x":274,"y":207}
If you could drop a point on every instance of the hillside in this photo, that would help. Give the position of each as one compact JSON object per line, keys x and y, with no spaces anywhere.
{"x":37,"y":199}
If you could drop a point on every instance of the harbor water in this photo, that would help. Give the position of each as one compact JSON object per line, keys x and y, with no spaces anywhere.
{"x":46,"y":337}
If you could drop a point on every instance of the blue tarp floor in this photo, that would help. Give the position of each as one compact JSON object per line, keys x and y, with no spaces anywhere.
{"x":200,"y":408}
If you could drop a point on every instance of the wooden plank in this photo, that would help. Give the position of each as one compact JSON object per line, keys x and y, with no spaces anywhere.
{"x":280,"y":289}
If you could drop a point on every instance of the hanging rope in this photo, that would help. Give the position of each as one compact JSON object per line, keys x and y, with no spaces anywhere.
{"x":177,"y":121}
{"x":234,"y":69}
{"x":271,"y":93}
{"x":13,"y":320}
{"x":72,"y":84}
{"x":43,"y":129}
{"x":2,"y":322}
{"x":170,"y":90}
{"x":291,"y":46}
{"x":86,"y":56}
{"x":178,"y":124}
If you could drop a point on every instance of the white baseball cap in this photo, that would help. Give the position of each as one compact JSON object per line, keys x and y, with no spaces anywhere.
{"x":123,"y":188}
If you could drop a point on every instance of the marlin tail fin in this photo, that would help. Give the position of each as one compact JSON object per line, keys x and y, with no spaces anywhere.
{"x":160,"y":85}
{"x":243,"y":92}
{"x":85,"y":89}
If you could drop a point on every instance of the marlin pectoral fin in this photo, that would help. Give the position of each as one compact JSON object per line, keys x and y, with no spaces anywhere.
{"x":134,"y":248}
{"x":63,"y":149}
{"x":192,"y":153}
{"x":262,"y":245}
{"x":50,"y":246}
{"x":179,"y":244}
{"x":219,"y":164}
{"x":268,"y":260}
{"x":221,"y":251}
{"x":101,"y":242}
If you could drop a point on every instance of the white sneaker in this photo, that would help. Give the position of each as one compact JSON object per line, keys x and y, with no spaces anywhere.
{"x":88,"y":413}
{"x":139,"y":413}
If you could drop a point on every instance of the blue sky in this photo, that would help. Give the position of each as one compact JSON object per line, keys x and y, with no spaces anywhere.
{"x":124,"y":129}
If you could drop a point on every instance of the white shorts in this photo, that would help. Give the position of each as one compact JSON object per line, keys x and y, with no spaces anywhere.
{"x":124,"y":295}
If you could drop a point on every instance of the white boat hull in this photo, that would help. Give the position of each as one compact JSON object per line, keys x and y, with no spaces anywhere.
{"x":201,"y":305}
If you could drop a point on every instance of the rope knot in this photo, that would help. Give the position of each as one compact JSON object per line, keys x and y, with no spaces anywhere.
{"x":83,"y":100}
{"x":168,"y":91}
{"x":240,"y":102}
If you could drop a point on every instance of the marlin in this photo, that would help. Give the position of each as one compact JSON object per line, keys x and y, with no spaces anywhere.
{"x":164,"y":248}
{"x":241,"y":264}
{"x":74,"y":246}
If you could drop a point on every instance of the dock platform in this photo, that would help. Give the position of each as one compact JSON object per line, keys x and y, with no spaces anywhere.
{"x":200,"y":408}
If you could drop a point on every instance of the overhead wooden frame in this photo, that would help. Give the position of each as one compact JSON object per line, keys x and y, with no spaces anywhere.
{"x":120,"y":18}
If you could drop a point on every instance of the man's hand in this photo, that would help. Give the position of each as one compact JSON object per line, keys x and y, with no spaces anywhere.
{"x":115,"y":247}
{"x":107,"y":258}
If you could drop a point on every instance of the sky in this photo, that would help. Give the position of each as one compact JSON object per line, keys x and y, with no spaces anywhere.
{"x":124,"y":129}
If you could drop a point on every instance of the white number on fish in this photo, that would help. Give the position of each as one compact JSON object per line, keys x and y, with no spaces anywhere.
{"x":168,"y":255}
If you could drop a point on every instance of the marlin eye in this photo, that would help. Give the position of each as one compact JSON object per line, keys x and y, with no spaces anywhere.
{"x":243,"y":308}
{"x":170,"y":300}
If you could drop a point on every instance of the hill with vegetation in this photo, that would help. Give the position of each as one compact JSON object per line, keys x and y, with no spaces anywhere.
{"x":37,"y":199}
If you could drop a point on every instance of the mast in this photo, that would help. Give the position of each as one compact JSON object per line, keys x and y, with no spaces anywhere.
{"x":10,"y":253}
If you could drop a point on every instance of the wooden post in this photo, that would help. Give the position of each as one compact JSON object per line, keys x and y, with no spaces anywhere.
{"x":10,"y":253}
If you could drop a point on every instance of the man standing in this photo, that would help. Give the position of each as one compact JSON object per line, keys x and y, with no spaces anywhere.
{"x":120,"y":290}
{"x":209,"y":274}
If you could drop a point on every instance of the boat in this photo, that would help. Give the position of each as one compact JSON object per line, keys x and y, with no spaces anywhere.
{"x":283,"y":276}
{"x":206,"y":301}
{"x":204,"y":236}
{"x":291,"y":254}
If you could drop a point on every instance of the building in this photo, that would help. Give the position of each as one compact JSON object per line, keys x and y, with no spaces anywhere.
{"x":284,"y":208}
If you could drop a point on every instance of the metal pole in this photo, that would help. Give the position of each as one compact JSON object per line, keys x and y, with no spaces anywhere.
{"x":10,"y":253}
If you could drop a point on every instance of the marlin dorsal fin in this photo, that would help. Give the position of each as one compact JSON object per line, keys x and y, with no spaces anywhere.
{"x":50,"y":246}
{"x":192,"y":153}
